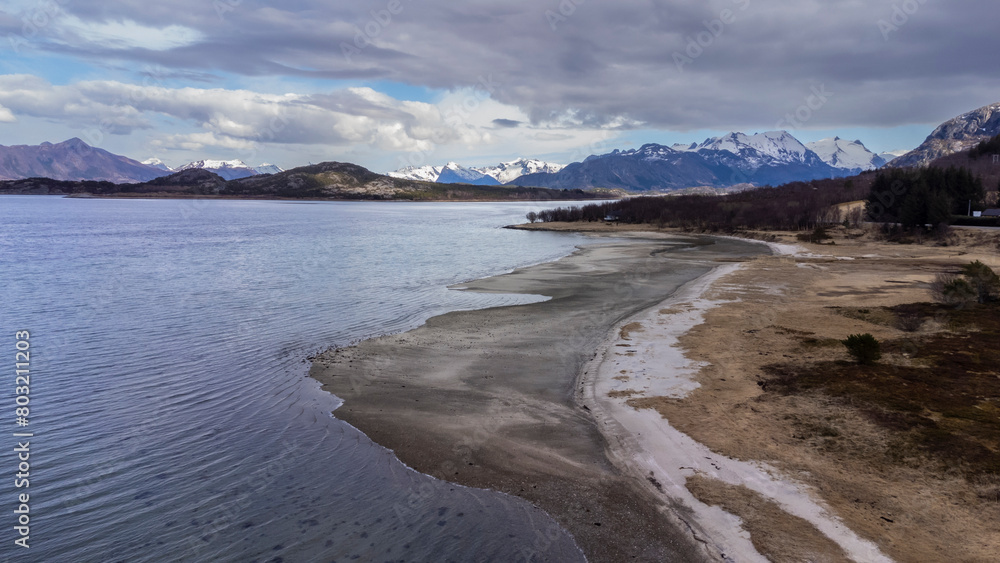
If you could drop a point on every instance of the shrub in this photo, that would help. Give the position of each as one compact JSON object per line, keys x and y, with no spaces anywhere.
{"x":982,"y":280}
{"x":951,"y":289}
{"x":863,"y":347}
{"x":818,"y":235}
{"x":909,"y":319}
{"x":978,"y":282}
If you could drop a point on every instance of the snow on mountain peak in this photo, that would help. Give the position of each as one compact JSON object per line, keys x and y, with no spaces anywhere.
{"x":889,"y":156}
{"x":157,"y":163}
{"x":777,"y":145}
{"x":503,"y":173}
{"x":418,"y":173}
{"x":847,"y":155}
{"x":267,"y":168}
{"x":215,"y":164}
{"x":227,"y":169}
{"x":509,"y":171}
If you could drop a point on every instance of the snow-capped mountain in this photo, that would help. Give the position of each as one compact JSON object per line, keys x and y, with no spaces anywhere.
{"x":453,"y":173}
{"x":955,"y":135}
{"x":418,"y":173}
{"x":231,"y":169}
{"x":852,"y":156}
{"x":771,"y":158}
{"x":757,"y":150}
{"x":890,"y":156}
{"x":157,"y":163}
{"x":228,"y":169}
{"x":267,"y":168}
{"x":506,"y":172}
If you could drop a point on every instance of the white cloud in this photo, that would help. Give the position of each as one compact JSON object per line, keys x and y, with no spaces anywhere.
{"x":610,"y":64}
{"x":6,"y":116}
{"x":199,"y":141}
{"x":360,"y":121}
{"x":124,"y":34}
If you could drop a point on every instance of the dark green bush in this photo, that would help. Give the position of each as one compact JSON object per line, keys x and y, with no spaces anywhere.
{"x":863,"y":347}
{"x":818,"y":235}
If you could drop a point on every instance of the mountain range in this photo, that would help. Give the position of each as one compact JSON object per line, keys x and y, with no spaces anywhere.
{"x":454,"y":173}
{"x":731,"y":160}
{"x":75,"y":160}
{"x":735,"y":160}
{"x":227,"y":169}
{"x":771,"y":158}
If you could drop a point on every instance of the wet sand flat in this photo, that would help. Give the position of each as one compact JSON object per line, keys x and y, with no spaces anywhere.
{"x":489,"y":398}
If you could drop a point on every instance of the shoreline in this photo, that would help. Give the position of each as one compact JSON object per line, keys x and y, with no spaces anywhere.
{"x":745,"y":470}
{"x":867,"y":496}
{"x":487,"y":398}
{"x":645,"y":443}
{"x":172,"y":196}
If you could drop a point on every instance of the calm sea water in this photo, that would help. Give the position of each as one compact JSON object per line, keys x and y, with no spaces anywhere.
{"x":171,"y":412}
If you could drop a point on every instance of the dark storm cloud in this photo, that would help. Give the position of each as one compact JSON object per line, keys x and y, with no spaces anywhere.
{"x":662,"y":64}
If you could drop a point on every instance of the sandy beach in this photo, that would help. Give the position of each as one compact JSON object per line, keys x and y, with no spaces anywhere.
{"x":870,"y":491}
{"x":633,"y":406}
{"x":808,"y":476}
{"x":490,"y":398}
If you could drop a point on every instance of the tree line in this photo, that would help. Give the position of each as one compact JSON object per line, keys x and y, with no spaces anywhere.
{"x":913,"y":198}
{"x":988,"y":147}
{"x":794,"y":206}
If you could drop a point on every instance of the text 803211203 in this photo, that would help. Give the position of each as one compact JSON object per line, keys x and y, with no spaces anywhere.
{"x":22,"y":382}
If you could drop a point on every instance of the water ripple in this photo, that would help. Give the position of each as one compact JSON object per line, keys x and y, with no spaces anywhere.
{"x":174,"y":418}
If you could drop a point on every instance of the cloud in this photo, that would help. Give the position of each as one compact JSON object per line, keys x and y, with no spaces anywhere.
{"x":124,"y":34}
{"x":6,"y":116}
{"x":356,"y":115}
{"x":508,"y":123}
{"x":244,"y":121}
{"x":598,"y":64}
{"x":200,"y":141}
{"x":598,"y":70}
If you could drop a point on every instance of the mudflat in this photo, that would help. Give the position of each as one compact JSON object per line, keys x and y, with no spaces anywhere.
{"x":492,"y":398}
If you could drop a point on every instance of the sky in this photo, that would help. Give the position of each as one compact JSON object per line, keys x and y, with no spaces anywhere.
{"x":391,"y":83}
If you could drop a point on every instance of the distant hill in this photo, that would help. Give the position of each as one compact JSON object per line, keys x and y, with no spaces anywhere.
{"x":336,"y":180}
{"x":955,"y":135}
{"x":72,"y":160}
{"x":325,"y":181}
